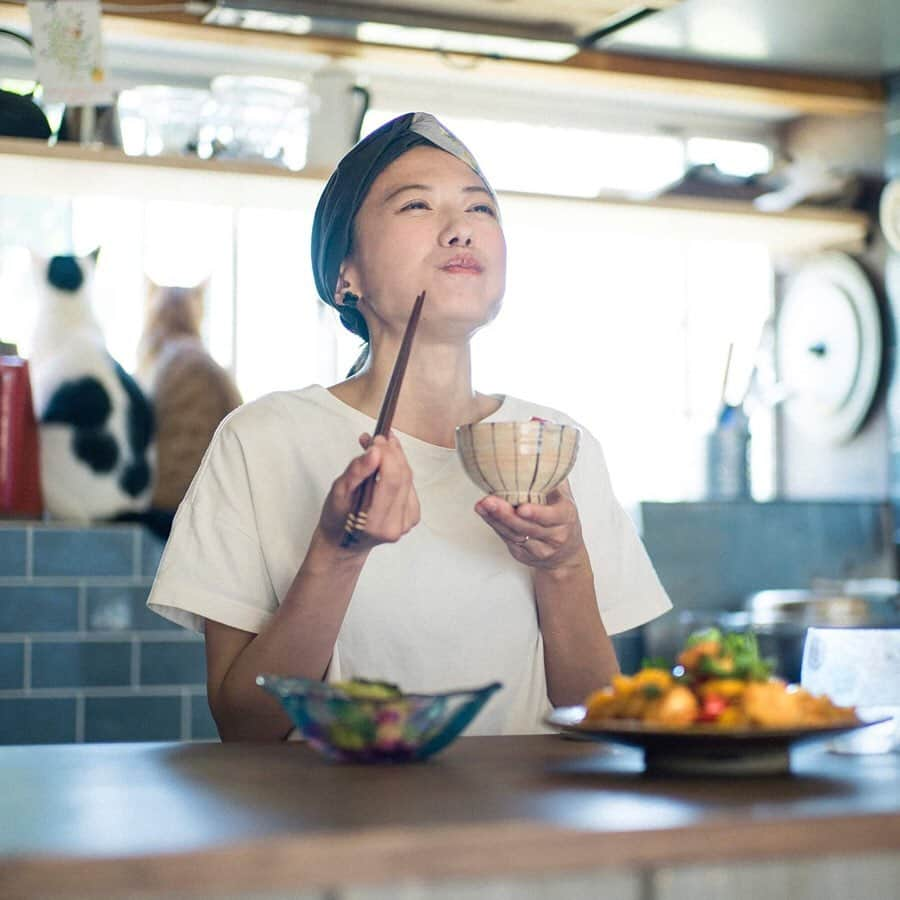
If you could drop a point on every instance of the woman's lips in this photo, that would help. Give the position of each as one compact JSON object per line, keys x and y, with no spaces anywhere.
{"x":462,"y":265}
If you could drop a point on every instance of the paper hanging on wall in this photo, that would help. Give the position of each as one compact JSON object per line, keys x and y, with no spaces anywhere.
{"x":68,"y":51}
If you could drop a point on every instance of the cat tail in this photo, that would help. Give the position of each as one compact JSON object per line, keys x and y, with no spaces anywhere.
{"x":137,"y":476}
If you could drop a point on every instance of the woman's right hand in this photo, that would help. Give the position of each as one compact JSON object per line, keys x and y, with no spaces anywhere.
{"x":395,"y":506}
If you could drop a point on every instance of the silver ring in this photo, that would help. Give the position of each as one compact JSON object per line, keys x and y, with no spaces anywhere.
{"x":525,"y":539}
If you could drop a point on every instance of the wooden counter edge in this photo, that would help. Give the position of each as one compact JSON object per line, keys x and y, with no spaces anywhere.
{"x":384,"y":855}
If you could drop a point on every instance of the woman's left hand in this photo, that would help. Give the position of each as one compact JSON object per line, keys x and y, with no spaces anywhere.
{"x":544,"y":536}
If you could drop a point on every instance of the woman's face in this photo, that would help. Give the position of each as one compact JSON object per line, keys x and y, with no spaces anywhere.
{"x":428,"y":223}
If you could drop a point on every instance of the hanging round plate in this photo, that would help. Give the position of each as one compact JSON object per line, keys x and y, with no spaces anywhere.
{"x":829,"y":347}
{"x":889,"y":213}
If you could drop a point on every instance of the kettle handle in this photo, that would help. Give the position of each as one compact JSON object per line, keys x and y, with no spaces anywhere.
{"x":365,"y":100}
{"x":28,"y":42}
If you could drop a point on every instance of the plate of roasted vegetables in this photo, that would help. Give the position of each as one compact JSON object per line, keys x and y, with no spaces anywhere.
{"x":719,"y":709}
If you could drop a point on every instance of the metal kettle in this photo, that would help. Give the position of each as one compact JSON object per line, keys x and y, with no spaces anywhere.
{"x":20,"y":116}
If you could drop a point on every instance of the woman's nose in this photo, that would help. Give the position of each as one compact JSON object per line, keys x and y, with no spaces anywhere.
{"x":456,"y":233}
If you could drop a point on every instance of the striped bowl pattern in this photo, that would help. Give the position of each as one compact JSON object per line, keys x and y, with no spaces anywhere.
{"x":521,"y":462}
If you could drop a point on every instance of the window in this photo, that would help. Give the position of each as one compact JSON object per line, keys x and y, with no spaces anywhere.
{"x":630,"y":336}
{"x":742,"y":158}
{"x":626,"y":332}
{"x":568,"y":162}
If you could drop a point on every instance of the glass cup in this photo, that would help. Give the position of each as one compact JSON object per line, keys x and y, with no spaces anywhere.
{"x":858,"y":667}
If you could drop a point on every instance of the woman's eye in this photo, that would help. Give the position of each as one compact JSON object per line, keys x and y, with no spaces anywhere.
{"x":485,"y":208}
{"x":414,"y":204}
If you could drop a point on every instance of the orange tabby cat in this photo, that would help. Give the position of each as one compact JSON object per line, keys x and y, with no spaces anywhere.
{"x":191,"y":392}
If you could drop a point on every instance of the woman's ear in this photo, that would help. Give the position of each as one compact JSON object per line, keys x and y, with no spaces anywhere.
{"x":348,"y":282}
{"x":343,"y":290}
{"x":339,"y":289}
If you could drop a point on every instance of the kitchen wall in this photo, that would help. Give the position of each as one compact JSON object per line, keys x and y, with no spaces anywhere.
{"x":859,"y":468}
{"x":708,"y":554}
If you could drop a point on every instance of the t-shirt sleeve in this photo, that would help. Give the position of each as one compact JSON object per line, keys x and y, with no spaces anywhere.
{"x":212,"y":566}
{"x":629,"y":592}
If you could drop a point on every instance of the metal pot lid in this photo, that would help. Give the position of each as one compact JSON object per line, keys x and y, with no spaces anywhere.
{"x":810,"y":607}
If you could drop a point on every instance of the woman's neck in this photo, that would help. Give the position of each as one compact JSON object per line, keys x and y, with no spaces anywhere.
{"x":436,"y":395}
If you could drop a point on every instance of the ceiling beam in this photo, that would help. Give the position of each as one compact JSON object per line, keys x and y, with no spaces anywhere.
{"x":796,"y":93}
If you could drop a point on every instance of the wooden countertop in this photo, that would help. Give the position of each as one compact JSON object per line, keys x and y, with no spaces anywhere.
{"x":266,"y":816}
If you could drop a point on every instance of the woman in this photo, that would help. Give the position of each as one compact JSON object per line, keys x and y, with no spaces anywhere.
{"x":430,"y":598}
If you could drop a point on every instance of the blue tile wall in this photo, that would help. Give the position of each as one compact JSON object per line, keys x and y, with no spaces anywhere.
{"x":81,"y":656}
{"x":12,"y":666}
{"x":132,"y":719}
{"x":38,"y":608}
{"x":712,"y":555}
{"x":171,"y":662}
{"x":151,"y":552}
{"x":80,"y":664}
{"x":84,"y":552}
{"x":13,"y":551}
{"x":629,"y":647}
{"x":203,"y":726}
{"x":123,"y":609}
{"x":37,"y":720}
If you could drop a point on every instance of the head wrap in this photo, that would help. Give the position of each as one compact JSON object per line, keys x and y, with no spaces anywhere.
{"x":332,"y":230}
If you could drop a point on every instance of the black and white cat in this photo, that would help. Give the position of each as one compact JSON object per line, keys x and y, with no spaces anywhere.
{"x":96,"y":425}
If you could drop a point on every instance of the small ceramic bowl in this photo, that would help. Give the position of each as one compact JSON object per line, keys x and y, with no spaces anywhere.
{"x":401,"y":728}
{"x":521,"y":462}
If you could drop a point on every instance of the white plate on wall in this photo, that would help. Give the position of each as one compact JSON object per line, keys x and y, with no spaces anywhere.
{"x":829,"y":347}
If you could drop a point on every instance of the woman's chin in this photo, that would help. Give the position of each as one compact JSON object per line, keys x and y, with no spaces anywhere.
{"x":464,"y":292}
{"x":454,"y":308}
{"x":460,"y":324}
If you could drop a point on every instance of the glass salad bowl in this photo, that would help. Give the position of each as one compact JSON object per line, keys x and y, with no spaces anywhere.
{"x":373,"y":721}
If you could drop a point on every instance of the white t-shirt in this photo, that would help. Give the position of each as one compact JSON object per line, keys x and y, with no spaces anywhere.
{"x":445,"y":607}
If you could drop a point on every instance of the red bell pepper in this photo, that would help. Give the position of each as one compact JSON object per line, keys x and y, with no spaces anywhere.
{"x":713,"y":707}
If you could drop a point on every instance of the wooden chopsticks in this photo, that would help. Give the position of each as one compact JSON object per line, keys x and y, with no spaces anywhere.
{"x":357,"y":517}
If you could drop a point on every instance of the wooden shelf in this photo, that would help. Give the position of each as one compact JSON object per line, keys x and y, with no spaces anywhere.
{"x":795,"y":232}
{"x":793,"y":93}
{"x":31,"y":168}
